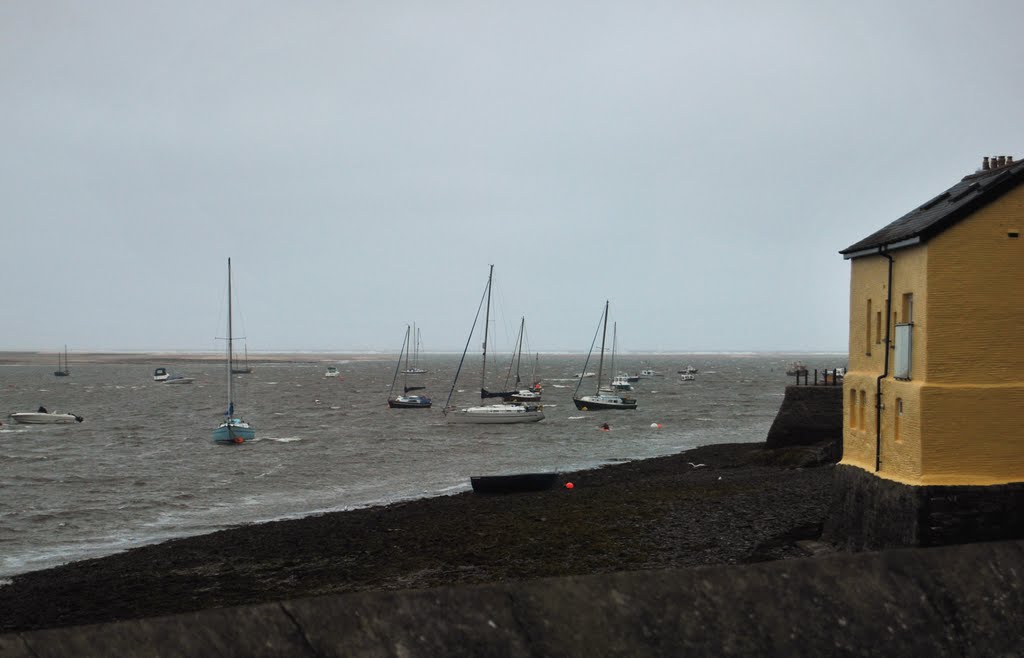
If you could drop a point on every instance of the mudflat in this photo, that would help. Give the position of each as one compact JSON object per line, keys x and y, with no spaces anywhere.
{"x":717,"y":504}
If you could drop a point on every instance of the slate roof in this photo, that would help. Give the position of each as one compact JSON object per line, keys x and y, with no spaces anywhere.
{"x":939,"y":213}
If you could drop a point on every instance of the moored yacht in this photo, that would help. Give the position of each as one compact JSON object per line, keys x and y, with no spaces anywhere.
{"x":606,"y":397}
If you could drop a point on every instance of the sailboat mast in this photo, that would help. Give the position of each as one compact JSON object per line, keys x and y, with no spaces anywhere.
{"x":415,"y":338}
{"x":604,"y":333}
{"x":230,"y":328}
{"x":398,"y":366}
{"x":615,"y":339}
{"x":519,"y":348}
{"x":487,"y":323}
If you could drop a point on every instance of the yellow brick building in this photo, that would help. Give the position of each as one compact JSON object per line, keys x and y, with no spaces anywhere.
{"x":934,"y":394}
{"x":933,"y":438}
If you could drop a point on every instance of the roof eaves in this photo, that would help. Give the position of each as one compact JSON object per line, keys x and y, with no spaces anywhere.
{"x":967,"y":196}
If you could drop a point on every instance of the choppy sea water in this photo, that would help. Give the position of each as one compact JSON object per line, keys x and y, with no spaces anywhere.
{"x":141,"y":468}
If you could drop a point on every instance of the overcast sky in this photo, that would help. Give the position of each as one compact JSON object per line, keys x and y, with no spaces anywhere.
{"x":698,"y":164}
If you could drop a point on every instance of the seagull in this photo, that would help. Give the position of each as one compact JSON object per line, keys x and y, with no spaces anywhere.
{"x":696,"y":465}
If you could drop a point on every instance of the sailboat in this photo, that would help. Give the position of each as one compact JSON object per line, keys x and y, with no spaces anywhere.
{"x":406,"y":401}
{"x":414,"y":368}
{"x":504,"y":413}
{"x":244,"y":368}
{"x":233,"y":430}
{"x":62,"y":372}
{"x":533,"y":392}
{"x":605,"y":397}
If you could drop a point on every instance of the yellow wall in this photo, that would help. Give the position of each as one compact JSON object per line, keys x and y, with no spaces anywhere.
{"x":961,"y":405}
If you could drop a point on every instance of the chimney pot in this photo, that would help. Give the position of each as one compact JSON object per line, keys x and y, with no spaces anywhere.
{"x":1009,"y":159}
{"x":984,"y":163}
{"x":1002,"y":161}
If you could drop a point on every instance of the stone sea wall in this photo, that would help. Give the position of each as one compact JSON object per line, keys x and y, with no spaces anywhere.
{"x":959,"y":600}
{"x":872,"y":513}
{"x":810,"y":415}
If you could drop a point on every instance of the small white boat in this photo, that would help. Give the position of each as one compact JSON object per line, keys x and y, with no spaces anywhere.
{"x":621,"y":383}
{"x":586,"y":374}
{"x":796,"y":368}
{"x":332,"y":372}
{"x":160,"y":375}
{"x":527,"y":395}
{"x":649,"y":372}
{"x":43,"y":417}
{"x":687,"y":377}
{"x":498,"y":413}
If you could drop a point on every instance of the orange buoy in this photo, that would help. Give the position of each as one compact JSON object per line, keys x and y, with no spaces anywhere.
{"x":568,"y":485}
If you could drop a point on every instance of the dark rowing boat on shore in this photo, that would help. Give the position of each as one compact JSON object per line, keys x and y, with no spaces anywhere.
{"x":513,"y":483}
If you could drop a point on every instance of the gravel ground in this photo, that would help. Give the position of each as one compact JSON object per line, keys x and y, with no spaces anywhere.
{"x":744,"y":504}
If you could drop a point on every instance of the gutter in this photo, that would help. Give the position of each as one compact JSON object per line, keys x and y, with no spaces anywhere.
{"x":909,"y":242}
{"x":885,"y":368}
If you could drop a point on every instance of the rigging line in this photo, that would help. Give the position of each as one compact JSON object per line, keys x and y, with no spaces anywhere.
{"x":591,"y":351}
{"x":399,"y":364}
{"x":517,"y":353}
{"x":466,"y":349}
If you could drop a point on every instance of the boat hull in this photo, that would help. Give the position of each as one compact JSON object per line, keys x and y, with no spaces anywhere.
{"x":513,"y":483}
{"x":399,"y":403}
{"x":39,"y":418}
{"x":497,"y":414}
{"x":602,"y":403}
{"x":233,"y":432}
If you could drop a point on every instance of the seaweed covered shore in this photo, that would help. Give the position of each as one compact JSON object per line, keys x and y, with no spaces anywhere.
{"x":717,"y":504}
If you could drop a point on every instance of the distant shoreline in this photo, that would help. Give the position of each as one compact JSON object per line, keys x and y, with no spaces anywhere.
{"x":113,"y":358}
{"x":34,"y":358}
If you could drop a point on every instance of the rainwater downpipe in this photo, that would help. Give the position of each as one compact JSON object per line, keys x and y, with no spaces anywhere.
{"x":885,"y":368}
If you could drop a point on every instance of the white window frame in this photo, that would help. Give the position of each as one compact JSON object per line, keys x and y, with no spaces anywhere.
{"x":903,"y":351}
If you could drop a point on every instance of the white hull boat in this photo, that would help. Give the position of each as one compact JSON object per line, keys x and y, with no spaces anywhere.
{"x":498,"y":414}
{"x":502,"y":413}
{"x":44,"y":418}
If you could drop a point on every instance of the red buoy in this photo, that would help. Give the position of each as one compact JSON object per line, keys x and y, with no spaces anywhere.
{"x":568,"y":485}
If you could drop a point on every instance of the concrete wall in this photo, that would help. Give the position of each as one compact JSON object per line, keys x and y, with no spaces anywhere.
{"x":954,"y":601}
{"x":808,"y":415}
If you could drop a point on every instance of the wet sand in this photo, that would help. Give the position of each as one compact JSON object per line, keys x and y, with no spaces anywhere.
{"x":742,"y":505}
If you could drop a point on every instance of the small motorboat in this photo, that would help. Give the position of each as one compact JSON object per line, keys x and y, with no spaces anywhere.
{"x":796,"y":368}
{"x":512,"y":483}
{"x":621,"y":383}
{"x":44,"y":417}
{"x":409,"y":402}
{"x":687,"y":377}
{"x":332,"y":372}
{"x":160,"y":375}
